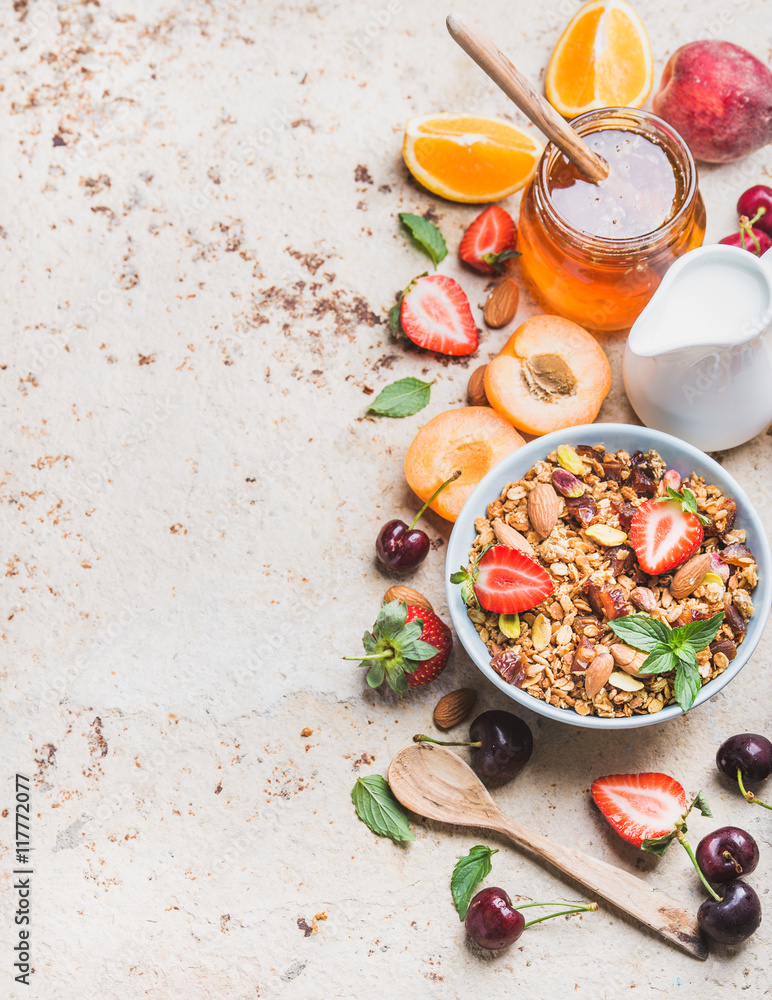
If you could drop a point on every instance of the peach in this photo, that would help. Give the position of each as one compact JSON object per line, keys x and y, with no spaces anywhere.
{"x":719,"y":97}
{"x":472,"y":439}
{"x":551,"y":373}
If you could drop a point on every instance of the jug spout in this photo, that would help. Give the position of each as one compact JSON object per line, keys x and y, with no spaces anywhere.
{"x":713,"y":297}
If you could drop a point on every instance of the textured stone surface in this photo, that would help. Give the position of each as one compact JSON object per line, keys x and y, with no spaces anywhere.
{"x":198,"y":249}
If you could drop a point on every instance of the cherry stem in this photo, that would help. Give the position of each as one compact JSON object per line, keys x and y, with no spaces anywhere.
{"x":727,"y":856}
{"x":420,"y":738}
{"x":760,"y":211}
{"x":433,"y":497}
{"x":749,"y":796}
{"x":687,"y":847}
{"x":746,"y":227}
{"x":588,"y":908}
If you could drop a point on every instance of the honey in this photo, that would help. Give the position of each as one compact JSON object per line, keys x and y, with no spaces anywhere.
{"x":596,"y":253}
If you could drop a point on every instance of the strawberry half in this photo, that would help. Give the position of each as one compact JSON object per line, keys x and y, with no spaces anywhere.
{"x":640,"y":807}
{"x":506,"y":580}
{"x":489,"y":241}
{"x":435,"y":314}
{"x":666,"y":532}
{"x":408,"y":646}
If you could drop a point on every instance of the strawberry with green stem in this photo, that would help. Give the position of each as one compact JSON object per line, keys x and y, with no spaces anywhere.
{"x":407,"y":647}
{"x":648,"y":810}
{"x":504,"y":580}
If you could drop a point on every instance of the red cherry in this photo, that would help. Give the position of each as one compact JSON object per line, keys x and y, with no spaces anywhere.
{"x":757,"y":197}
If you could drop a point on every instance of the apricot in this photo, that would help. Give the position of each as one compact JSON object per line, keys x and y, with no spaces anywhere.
{"x":551,"y":373}
{"x":719,"y":97}
{"x":472,"y":439}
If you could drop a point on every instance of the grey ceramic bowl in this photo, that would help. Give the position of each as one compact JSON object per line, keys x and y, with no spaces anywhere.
{"x":680,"y":456}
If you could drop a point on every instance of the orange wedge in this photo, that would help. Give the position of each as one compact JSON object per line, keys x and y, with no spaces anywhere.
{"x":603,"y":60}
{"x":469,"y":158}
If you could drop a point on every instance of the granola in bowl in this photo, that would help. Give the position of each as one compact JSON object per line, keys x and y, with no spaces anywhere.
{"x":564,"y":651}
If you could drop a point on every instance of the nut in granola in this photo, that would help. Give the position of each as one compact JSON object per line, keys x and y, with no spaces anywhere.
{"x":690,"y":576}
{"x":511,"y":537}
{"x":543,"y":509}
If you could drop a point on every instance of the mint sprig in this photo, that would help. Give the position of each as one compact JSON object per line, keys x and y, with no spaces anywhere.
{"x":394,"y":648}
{"x":687,"y":500}
{"x":426,"y":236}
{"x":470,"y":870}
{"x":376,"y":806}
{"x":402,"y":398}
{"x":670,"y":649}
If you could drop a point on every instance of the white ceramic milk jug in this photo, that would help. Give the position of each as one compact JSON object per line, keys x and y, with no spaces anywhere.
{"x":698,"y":361}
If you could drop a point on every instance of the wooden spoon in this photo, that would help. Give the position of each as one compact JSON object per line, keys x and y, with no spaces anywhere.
{"x":435,"y":783}
{"x":536,"y":108}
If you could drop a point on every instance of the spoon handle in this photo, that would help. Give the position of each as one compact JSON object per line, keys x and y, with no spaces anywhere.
{"x":536,"y":108}
{"x":626,"y":891}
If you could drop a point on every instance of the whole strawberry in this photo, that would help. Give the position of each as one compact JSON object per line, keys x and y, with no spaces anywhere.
{"x":408,"y":646}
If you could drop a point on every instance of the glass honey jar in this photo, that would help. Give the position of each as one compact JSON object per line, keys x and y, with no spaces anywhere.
{"x":596,"y":253}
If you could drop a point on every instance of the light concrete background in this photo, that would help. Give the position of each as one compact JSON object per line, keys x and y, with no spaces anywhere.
{"x":199,"y":244}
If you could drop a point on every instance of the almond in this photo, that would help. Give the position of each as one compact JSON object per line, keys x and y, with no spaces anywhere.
{"x":629,"y":659}
{"x":598,"y":673}
{"x":543,"y":509}
{"x":623,"y":682}
{"x":406,"y":595}
{"x":454,"y":707}
{"x":690,"y":576}
{"x":511,"y":537}
{"x":501,"y":305}
{"x":475,"y":389}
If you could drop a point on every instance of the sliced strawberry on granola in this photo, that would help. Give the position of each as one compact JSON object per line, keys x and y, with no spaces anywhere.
{"x":667,"y":531}
{"x":506,"y":581}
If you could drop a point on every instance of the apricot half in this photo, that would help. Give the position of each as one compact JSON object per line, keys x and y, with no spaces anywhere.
{"x":551,"y":373}
{"x":472,"y":439}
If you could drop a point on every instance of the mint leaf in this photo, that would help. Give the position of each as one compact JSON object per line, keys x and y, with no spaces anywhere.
{"x":377,"y":808}
{"x":391,"y":620}
{"x":686,"y":656}
{"x":687,"y":500}
{"x":701,"y":634}
{"x":640,"y":631}
{"x":658,"y":845}
{"x":687,"y":685}
{"x":426,"y":235}
{"x":402,"y":398}
{"x":470,"y":870}
{"x":701,"y":803}
{"x":661,"y":660}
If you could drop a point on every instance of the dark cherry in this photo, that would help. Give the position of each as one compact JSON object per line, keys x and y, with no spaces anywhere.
{"x":749,"y":753}
{"x":491,"y":920}
{"x":502,"y":745}
{"x":506,"y":745}
{"x":742,"y":239}
{"x":726,"y":854}
{"x":733,"y":918}
{"x":750,"y":201}
{"x":401,"y":548}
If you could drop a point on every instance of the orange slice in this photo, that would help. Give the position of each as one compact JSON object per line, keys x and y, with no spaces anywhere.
{"x":469,"y":158}
{"x":602,"y":60}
